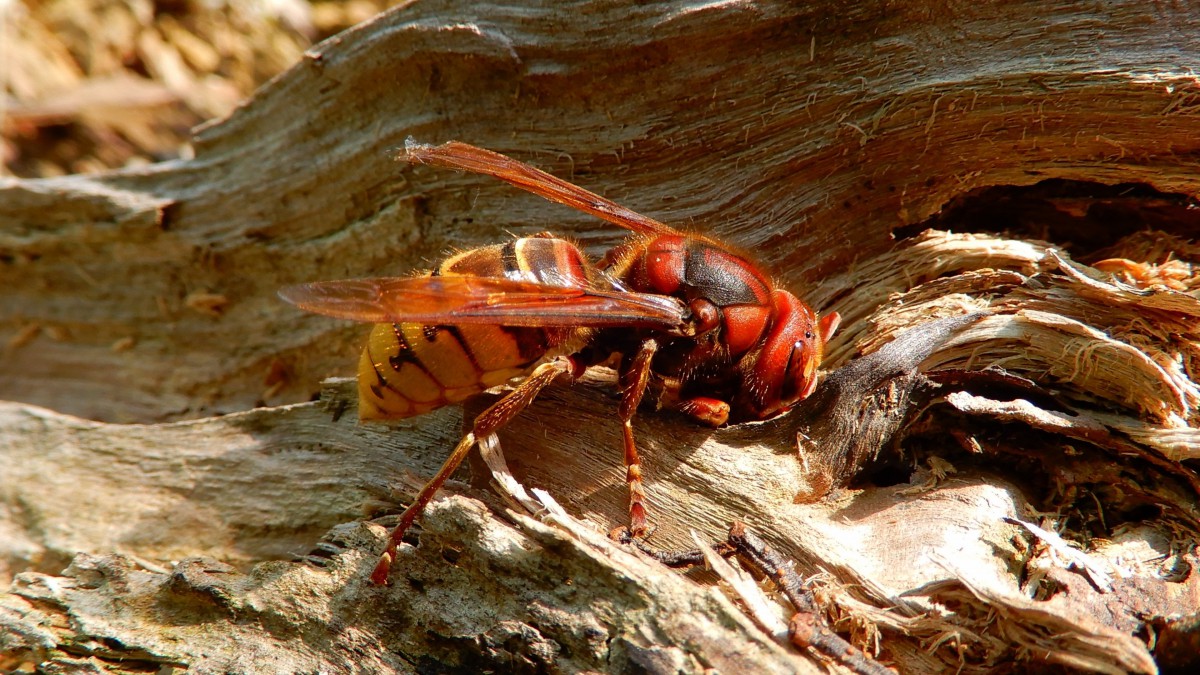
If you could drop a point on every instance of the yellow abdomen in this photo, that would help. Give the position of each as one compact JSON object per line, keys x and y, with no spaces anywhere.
{"x":408,"y":369}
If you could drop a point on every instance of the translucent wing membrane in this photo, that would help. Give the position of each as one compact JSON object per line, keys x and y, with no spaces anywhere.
{"x":483,"y":300}
{"x":456,"y":155}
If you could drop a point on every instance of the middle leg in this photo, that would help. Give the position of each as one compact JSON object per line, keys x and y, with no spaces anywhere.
{"x":635,"y":375}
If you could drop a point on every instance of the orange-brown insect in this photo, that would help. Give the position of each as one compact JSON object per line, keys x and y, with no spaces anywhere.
{"x":687,"y":316}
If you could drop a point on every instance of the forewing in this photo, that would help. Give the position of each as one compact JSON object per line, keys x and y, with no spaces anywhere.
{"x":456,"y":155}
{"x":483,"y":300}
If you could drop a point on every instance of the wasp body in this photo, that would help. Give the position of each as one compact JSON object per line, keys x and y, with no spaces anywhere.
{"x":409,"y":369}
{"x":688,"y":318}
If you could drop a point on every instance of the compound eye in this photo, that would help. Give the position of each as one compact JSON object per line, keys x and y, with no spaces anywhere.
{"x":708,"y":317}
{"x":802,"y":371}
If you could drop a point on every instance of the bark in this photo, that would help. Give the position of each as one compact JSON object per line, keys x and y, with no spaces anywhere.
{"x":1029,"y":167}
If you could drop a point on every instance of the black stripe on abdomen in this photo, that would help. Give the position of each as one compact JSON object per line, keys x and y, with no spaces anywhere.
{"x":509,"y":258}
{"x":405,"y":355}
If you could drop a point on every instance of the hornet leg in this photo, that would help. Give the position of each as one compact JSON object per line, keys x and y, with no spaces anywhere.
{"x":499,"y":414}
{"x":635,"y":375}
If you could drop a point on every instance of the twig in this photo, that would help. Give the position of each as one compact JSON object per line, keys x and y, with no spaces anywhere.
{"x":807,"y":628}
{"x":674,"y":559}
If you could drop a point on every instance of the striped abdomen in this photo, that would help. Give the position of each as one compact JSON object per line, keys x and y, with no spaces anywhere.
{"x":408,"y":369}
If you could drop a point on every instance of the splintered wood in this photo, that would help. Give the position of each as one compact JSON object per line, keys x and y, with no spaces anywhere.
{"x":1079,"y":378}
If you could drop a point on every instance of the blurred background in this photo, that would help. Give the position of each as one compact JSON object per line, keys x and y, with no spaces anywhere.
{"x":89,"y":85}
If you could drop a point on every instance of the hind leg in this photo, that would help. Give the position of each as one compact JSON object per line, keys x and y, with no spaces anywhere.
{"x":499,"y":414}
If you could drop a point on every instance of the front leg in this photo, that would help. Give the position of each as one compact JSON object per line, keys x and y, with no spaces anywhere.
{"x":706,"y":410}
{"x":709,"y":411}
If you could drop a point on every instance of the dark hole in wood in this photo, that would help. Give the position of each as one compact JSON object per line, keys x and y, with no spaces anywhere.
{"x":1082,"y":217}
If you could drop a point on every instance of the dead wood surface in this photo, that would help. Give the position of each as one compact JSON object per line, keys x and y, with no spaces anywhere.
{"x":142,"y":327}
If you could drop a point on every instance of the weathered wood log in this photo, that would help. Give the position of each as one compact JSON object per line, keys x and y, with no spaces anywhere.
{"x":823,"y":140}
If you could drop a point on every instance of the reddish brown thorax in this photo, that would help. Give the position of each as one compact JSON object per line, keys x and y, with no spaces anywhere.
{"x":756,"y":346}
